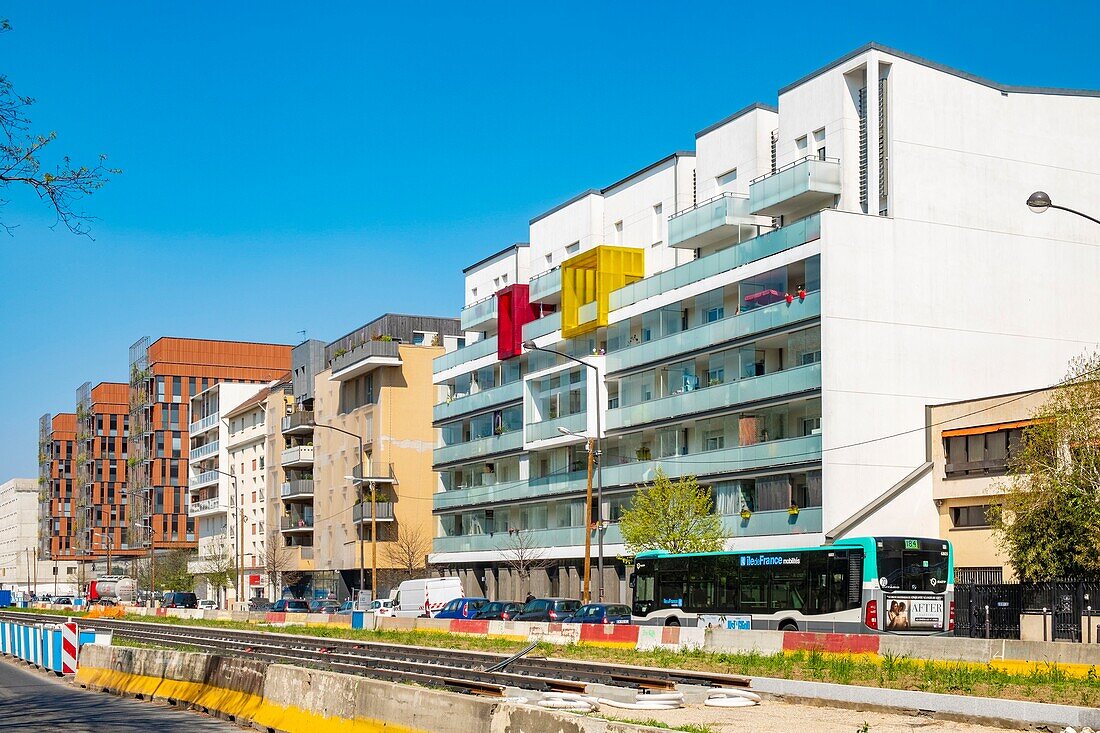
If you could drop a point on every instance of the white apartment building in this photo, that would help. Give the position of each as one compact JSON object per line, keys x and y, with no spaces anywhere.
{"x":772,"y":314}
{"x":20,"y":568}
{"x":213,"y":486}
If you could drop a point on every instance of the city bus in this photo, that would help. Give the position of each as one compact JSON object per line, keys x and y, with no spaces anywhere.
{"x":859,"y":585}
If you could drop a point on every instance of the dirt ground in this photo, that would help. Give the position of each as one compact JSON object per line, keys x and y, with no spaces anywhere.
{"x":773,"y":715}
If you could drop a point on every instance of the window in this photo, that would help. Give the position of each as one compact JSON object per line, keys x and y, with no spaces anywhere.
{"x":573,"y":248}
{"x":658,"y":219}
{"x":801,"y":146}
{"x":619,"y":232}
{"x":819,"y":143}
{"x":473,"y":292}
{"x":970,"y":516}
{"x":714,"y":440}
{"x":981,"y":454}
{"x":725,"y":179}
{"x":496,"y":283}
{"x":811,"y":425}
{"x":805,"y":358}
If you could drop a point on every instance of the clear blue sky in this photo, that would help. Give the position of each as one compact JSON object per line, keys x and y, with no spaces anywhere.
{"x":360,"y":156}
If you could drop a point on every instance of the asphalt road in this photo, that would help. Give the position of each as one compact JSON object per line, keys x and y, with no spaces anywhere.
{"x":31,"y":700}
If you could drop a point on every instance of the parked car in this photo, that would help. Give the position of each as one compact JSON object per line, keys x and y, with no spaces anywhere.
{"x":548,"y":609}
{"x":499,"y":611}
{"x":63,"y":601}
{"x":462,"y":608}
{"x":208,"y":604}
{"x":381,"y":607}
{"x":601,"y":613}
{"x":290,"y":605}
{"x":259,"y":604}
{"x":425,"y":597}
{"x":323,"y":606}
{"x":177,"y":599}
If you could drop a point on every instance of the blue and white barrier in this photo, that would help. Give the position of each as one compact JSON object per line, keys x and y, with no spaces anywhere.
{"x":48,"y":646}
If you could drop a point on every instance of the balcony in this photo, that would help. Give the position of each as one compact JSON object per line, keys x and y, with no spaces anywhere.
{"x":509,"y":442}
{"x":725,"y":217}
{"x":298,"y":423}
{"x":203,"y":451}
{"x":300,"y":456}
{"x":712,"y":335}
{"x":383,"y":512}
{"x":809,"y":182}
{"x":546,"y":429}
{"x":297,"y":557}
{"x":480,"y":315}
{"x":297,"y":489}
{"x":754,"y":389}
{"x":788,"y":451}
{"x":469,"y":352}
{"x":363,"y":358}
{"x":206,"y":507}
{"x":295,"y":524}
{"x":546,"y":287}
{"x":535,"y":538}
{"x":206,"y":478}
{"x":765,"y":245}
{"x":510,"y":491}
{"x":206,"y":423}
{"x":478,"y":401}
{"x":543,"y":326}
{"x":780,"y":522}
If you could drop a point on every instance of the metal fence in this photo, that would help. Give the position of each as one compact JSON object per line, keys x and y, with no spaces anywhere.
{"x":993,"y":610}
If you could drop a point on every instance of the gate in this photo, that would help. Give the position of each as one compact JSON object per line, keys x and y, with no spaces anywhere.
{"x":1066,"y":611}
{"x":988,"y":611}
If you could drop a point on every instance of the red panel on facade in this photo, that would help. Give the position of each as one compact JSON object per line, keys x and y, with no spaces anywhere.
{"x":514,"y":310}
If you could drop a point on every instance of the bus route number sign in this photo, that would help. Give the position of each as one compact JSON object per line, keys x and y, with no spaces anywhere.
{"x":912,"y":544}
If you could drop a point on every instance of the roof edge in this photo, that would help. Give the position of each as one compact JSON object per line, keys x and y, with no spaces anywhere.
{"x":739,"y":113}
{"x":494,"y":255}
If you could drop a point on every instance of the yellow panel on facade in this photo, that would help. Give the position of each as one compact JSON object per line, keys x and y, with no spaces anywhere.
{"x":587,"y":281}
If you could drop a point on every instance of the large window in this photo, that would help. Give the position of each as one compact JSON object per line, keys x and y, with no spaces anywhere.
{"x":980,"y":454}
{"x":970,"y":516}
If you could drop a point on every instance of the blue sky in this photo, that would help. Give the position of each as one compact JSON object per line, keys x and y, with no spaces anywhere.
{"x":364,"y":155}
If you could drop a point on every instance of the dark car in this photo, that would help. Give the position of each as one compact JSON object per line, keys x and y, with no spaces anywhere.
{"x":290,"y":605}
{"x":176,"y":599}
{"x":259,"y":604}
{"x":499,"y":611}
{"x":63,"y":601}
{"x":601,"y":613}
{"x":548,"y":609}
{"x":462,"y":608}
{"x":323,"y":606}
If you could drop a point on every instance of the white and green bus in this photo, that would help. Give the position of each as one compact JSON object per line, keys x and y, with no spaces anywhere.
{"x":859,"y":585}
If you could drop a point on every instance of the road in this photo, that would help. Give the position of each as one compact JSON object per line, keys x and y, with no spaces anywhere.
{"x":33,"y":701}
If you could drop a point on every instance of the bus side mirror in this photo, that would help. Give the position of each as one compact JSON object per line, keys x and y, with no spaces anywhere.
{"x":633,"y":580}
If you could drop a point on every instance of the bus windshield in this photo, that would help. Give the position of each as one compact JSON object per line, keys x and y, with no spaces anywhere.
{"x":912,"y":565}
{"x":643,"y":587}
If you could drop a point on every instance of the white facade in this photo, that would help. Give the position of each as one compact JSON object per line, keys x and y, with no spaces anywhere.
{"x":507,"y":267}
{"x":20,"y":570}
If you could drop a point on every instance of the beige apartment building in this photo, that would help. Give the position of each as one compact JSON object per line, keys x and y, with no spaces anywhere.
{"x":374,"y":383}
{"x":970,"y":445}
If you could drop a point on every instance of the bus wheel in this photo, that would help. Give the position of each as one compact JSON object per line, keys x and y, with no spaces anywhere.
{"x":788,"y":626}
{"x":672,"y":621}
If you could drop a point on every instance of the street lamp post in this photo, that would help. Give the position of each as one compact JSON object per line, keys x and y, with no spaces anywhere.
{"x":530,"y":346}
{"x":238,"y":521}
{"x":1040,"y":202}
{"x":373,"y":527}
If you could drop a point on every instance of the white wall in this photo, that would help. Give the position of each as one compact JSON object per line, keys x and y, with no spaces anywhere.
{"x":580,"y":221}
{"x":507,"y":268}
{"x":18,"y":534}
{"x":743,"y":143}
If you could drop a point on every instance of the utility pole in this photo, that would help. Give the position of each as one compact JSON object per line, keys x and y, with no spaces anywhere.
{"x":586,"y":593}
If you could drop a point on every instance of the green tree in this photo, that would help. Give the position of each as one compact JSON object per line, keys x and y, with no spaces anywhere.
{"x":63,"y":184}
{"x":676,"y":516}
{"x":1049,"y":519}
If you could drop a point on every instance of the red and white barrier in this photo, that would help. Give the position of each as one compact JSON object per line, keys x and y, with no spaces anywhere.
{"x":70,"y":640}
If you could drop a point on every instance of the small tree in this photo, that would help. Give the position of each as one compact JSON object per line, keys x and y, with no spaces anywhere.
{"x":523,"y":556}
{"x":219,"y":565}
{"x":676,"y":516}
{"x":172,"y":571}
{"x":406,"y":556}
{"x":279,"y":563}
{"x":1049,"y":522}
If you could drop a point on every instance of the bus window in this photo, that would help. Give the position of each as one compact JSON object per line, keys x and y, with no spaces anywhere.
{"x":820,"y":583}
{"x":701,"y":584}
{"x":912,"y":565}
{"x":725,"y":579}
{"x":788,"y":588}
{"x":753,"y":596}
{"x":643,"y":589}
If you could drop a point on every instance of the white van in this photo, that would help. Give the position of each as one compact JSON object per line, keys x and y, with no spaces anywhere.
{"x":416,"y":598}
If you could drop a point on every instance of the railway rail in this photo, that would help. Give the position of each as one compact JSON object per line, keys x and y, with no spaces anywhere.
{"x":466,"y":671}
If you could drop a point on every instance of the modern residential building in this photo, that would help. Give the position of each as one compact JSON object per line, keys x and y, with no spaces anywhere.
{"x":102,"y":512}
{"x":217,"y":483}
{"x":770,"y":315}
{"x":970,"y":443}
{"x":255,"y":446}
{"x":59,"y":529}
{"x":22,"y":568}
{"x":377,"y":386}
{"x":164,"y":375}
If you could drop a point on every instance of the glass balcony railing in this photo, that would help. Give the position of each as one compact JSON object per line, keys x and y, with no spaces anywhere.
{"x":806,"y":449}
{"x":203,"y":451}
{"x":301,"y":455}
{"x":710,"y":221}
{"x":478,"y":401}
{"x":383,"y":512}
{"x":542,"y":327}
{"x":765,"y":245}
{"x":203,"y":479}
{"x":491,"y":445}
{"x":369,"y":351}
{"x":777,"y":384}
{"x":300,"y":422}
{"x":478,"y":313}
{"x":549,"y":428}
{"x":506,"y":491}
{"x":204,"y":424}
{"x":587,"y":313}
{"x":804,"y":182}
{"x":769,"y":317}
{"x":469,"y":352}
{"x":297,"y":488}
{"x":205,"y":506}
{"x":534,"y":538}
{"x":296,"y":524}
{"x":778,"y":522}
{"x":545,"y":286}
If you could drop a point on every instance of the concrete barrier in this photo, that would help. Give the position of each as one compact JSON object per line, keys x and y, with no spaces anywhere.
{"x":292,"y":699}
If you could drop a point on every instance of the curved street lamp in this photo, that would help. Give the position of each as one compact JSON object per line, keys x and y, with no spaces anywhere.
{"x":1040,"y":202}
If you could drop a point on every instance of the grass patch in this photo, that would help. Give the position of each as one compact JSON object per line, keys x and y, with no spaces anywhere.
{"x":654,"y":723}
{"x":1039,"y":683}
